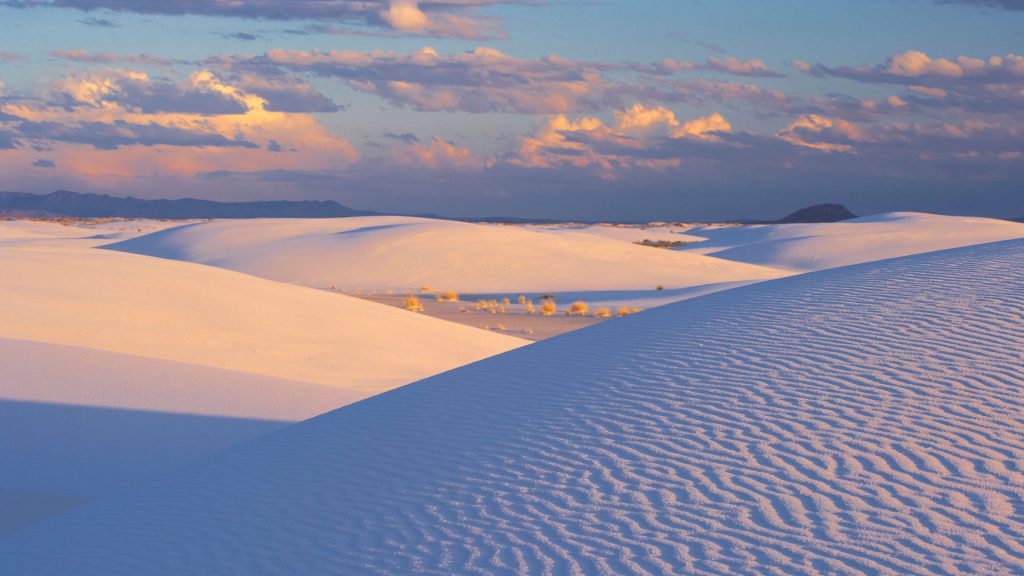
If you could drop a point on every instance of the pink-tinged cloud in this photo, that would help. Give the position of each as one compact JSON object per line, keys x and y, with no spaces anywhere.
{"x":740,"y":67}
{"x":99,"y":131}
{"x":438,"y":155}
{"x":86,"y":57}
{"x":820,"y":133}
{"x":488,"y":80}
{"x":561,"y":141}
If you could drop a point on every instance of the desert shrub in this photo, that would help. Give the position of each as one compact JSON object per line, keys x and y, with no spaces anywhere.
{"x":501,"y":327}
{"x":505,"y":301}
{"x":413,"y":304}
{"x":548,"y":307}
{"x":662,"y":243}
{"x":522,"y":299}
{"x":627,"y":310}
{"x":660,"y":288}
{"x":578,"y":308}
{"x":603,"y":312}
{"x":448,"y":296}
{"x":530,"y":309}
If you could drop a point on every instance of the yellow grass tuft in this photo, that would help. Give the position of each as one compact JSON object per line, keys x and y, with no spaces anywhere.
{"x":603,"y":312}
{"x":530,"y":309}
{"x":522,"y":299}
{"x":548,"y":307}
{"x":627,"y":310}
{"x":447,"y":296}
{"x":412,"y":303}
{"x":505,"y":302}
{"x":578,"y":308}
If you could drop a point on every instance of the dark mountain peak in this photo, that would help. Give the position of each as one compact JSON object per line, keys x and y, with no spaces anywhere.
{"x":818,"y":213}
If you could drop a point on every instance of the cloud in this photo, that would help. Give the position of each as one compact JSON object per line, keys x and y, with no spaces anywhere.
{"x":487,"y":80}
{"x":199,"y":94}
{"x":113,"y":135}
{"x":85,"y":57}
{"x":10,"y":57}
{"x":728,"y":64}
{"x":442,"y":18}
{"x":993,"y":85}
{"x":243,"y":36}
{"x":439,"y":154}
{"x":1004,"y":4}
{"x":44,"y":163}
{"x":589,"y":142}
{"x":99,"y":22}
{"x":916,"y":67}
{"x":406,"y":137}
{"x":123,"y":125}
{"x":741,"y":68}
{"x":820,"y":133}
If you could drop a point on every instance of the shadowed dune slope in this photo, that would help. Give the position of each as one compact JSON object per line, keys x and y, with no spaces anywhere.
{"x":862,"y":420}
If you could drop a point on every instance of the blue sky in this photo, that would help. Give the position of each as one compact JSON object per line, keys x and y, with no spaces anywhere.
{"x":588,"y":109}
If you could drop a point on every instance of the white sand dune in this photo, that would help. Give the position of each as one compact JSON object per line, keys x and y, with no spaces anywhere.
{"x":65,"y":291}
{"x":862,"y":420}
{"x":806,"y":247}
{"x":116,"y":367}
{"x":401,"y":253}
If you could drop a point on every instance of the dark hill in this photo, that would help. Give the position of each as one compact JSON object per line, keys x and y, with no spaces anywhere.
{"x":65,"y":203}
{"x":818,"y":213}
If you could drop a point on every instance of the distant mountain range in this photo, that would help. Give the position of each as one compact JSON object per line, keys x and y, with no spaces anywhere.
{"x":65,"y":203}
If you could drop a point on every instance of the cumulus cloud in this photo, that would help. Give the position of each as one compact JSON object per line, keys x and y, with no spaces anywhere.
{"x":586,"y":141}
{"x":993,"y":85}
{"x":124,"y":124}
{"x":914,"y":66}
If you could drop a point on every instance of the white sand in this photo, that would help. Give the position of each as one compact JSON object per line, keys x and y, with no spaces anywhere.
{"x":115,"y":368}
{"x":400,"y":253}
{"x":863,"y":420}
{"x":66,"y":291}
{"x":806,"y":247}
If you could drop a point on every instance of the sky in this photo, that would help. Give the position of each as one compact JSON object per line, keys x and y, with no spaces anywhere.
{"x":586,"y":109}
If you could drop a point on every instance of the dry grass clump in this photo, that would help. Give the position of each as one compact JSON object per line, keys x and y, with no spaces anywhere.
{"x":548,"y":307}
{"x":413,"y":304}
{"x":603,"y":312}
{"x":578,"y":308}
{"x":505,"y":302}
{"x":448,"y":296}
{"x":491,"y":306}
{"x":530,"y":308}
{"x":522,"y":299}
{"x":627,"y":310}
{"x":660,"y":288}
